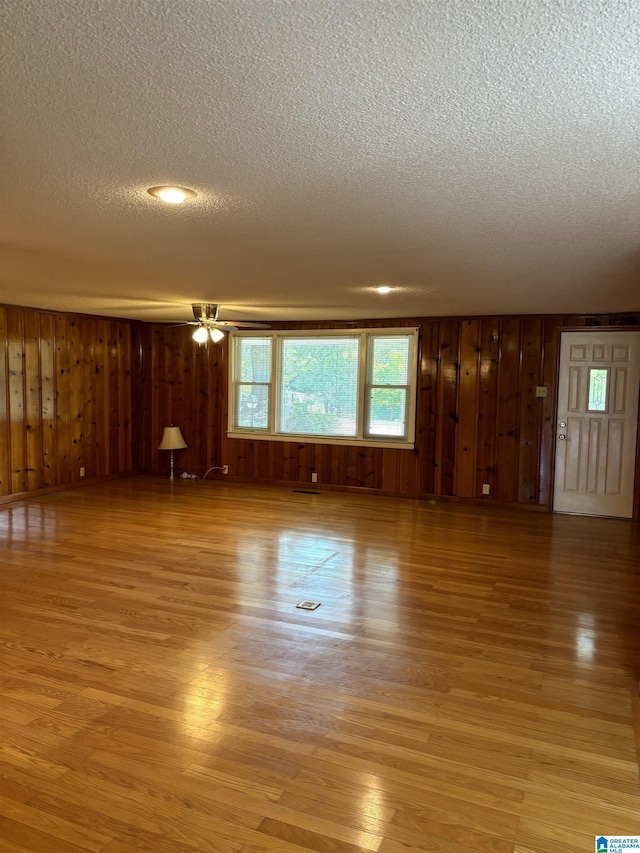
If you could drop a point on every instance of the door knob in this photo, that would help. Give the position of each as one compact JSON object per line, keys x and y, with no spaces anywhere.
{"x":562,"y":424}
{"x":562,"y":436}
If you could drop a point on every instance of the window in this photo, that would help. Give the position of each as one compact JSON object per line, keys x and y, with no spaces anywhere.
{"x":333,"y":386}
{"x":598,"y":380}
{"x":252,"y":382}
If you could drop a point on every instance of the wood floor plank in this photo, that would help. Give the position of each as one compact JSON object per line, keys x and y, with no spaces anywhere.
{"x":468,"y":683}
{"x":53,"y":824}
{"x":27,"y":837}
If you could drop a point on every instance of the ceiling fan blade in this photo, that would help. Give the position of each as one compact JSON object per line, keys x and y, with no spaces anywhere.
{"x":244,"y":324}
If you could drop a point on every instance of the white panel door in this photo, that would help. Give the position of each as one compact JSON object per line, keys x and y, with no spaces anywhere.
{"x":597,"y":423}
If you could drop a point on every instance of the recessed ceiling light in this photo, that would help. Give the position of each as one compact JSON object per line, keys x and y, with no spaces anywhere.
{"x":172,"y":195}
{"x":384,"y":289}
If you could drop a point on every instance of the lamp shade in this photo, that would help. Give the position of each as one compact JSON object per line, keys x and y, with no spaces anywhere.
{"x":172,"y":439}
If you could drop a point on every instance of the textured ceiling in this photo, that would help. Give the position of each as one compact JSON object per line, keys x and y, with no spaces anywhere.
{"x":481,"y":156}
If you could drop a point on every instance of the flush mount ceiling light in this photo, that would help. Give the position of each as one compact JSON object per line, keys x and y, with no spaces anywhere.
{"x":172,"y":195}
{"x":384,"y":288}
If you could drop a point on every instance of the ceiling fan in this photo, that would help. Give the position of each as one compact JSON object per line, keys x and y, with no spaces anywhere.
{"x":209,"y":326}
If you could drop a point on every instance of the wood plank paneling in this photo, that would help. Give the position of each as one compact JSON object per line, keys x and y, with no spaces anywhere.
{"x":427,"y":407}
{"x":89,"y":392}
{"x":145,"y":384}
{"x":305,"y":462}
{"x":289,"y":464}
{"x":529,"y":413}
{"x":478,"y":420}
{"x":78,"y":390}
{"x":508,"y":411}
{"x":448,"y":417}
{"x":177,"y":364}
{"x":409,"y":472}
{"x":5,"y":421}
{"x":59,"y":377}
{"x":487,"y":407}
{"x":192,"y":406}
{"x":546,"y":437}
{"x":48,"y":399}
{"x":127,"y":401}
{"x":390,"y":470}
{"x":339,"y":471}
{"x":32,"y":407}
{"x":467,"y":428}
{"x":274,"y":451}
{"x":18,"y":437}
{"x":76,"y":400}
{"x":113,"y":420}
{"x":104,"y":414}
{"x":63,"y":447}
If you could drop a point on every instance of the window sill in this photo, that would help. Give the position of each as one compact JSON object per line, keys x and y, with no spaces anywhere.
{"x":314,"y":439}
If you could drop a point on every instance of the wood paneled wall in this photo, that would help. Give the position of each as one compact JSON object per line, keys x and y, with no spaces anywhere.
{"x":181,"y":384}
{"x":78,"y":391}
{"x":65,"y":399}
{"x":478,"y":420}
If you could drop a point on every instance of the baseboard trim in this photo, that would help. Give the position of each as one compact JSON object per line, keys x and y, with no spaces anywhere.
{"x":364,"y":490}
{"x":50,"y":490}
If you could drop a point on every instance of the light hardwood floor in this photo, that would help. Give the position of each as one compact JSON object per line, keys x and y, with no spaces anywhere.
{"x":466,"y":684}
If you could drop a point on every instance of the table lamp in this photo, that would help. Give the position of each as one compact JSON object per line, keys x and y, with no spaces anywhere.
{"x":172,"y":439}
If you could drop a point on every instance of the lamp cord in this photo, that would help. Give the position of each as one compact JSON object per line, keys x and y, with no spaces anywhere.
{"x":213,"y":468}
{"x":185,"y":476}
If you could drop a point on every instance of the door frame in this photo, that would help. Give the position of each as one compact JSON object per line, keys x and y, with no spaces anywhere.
{"x":552,"y":467}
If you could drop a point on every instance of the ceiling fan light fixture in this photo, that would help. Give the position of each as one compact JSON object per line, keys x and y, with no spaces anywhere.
{"x":200,"y":335}
{"x":216,"y":335}
{"x":172,"y":195}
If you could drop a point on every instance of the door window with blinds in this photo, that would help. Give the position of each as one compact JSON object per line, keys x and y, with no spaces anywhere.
{"x":324,"y":386}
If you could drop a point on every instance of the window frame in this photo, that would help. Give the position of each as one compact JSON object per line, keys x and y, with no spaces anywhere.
{"x":236,"y":383}
{"x":365,"y":346}
{"x":369,"y":386}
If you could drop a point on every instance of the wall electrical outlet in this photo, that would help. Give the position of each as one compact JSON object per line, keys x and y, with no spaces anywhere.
{"x":225,"y":469}
{"x":486,"y":488}
{"x":82,"y":471}
{"x":314,"y":477}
